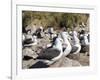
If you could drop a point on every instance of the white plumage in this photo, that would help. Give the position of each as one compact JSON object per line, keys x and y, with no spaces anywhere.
{"x":34,"y":40}
{"x":85,"y":40}
{"x":66,"y":43}
{"x":76,"y":47}
{"x":58,"y":46}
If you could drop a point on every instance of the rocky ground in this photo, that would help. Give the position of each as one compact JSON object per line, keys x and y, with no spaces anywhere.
{"x":32,"y":51}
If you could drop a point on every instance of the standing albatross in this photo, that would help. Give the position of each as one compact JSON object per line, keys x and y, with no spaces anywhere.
{"x":66,"y":44}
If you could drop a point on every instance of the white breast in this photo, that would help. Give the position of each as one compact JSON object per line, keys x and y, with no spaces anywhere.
{"x":58,"y":44}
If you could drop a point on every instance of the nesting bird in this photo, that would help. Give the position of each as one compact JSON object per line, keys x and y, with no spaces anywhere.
{"x":84,"y":40}
{"x":52,"y":54}
{"x":76,"y":47}
{"x":30,"y":39}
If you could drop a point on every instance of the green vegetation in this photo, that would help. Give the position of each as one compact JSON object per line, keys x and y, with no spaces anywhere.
{"x":54,"y":19}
